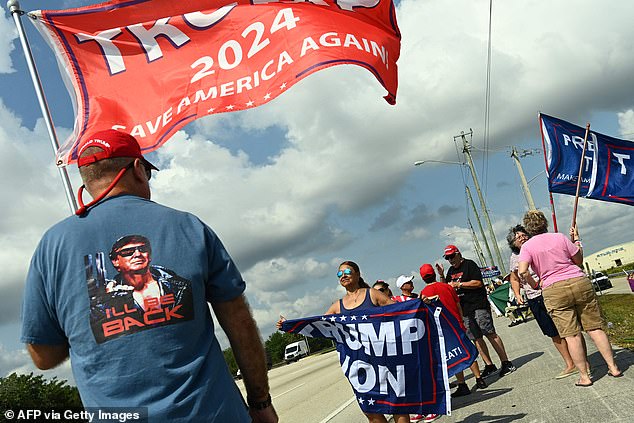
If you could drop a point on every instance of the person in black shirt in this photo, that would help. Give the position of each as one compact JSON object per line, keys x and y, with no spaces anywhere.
{"x":465,"y":277}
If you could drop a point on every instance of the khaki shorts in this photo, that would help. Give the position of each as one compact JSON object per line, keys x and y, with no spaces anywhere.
{"x":573,"y":306}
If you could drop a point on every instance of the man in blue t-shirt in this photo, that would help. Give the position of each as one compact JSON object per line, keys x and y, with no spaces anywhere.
{"x":137,"y":327}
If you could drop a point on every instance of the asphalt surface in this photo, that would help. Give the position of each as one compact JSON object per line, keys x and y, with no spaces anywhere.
{"x":532,"y":394}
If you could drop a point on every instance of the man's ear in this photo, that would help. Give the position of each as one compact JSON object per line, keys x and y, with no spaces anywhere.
{"x":139,"y":170}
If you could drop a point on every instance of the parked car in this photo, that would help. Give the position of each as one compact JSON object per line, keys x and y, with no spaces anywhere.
{"x":600,"y":281}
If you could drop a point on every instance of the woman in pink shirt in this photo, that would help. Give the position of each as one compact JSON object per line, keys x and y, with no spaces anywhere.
{"x":567,"y":291}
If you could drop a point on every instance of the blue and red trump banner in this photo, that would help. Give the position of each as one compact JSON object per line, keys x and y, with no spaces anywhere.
{"x":607,"y":168}
{"x":397,"y":358}
{"x":150,"y":67}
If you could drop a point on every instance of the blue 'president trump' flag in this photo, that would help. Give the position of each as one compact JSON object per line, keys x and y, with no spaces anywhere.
{"x":607,"y":168}
{"x":397,"y":357}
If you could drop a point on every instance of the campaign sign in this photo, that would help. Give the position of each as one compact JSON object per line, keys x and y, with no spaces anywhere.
{"x":150,"y":67}
{"x":395,"y":357}
{"x":490,"y":272}
{"x":607,"y":170}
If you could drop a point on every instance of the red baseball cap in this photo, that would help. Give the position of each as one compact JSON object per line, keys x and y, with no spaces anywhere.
{"x":427,"y":270}
{"x":450,"y":249}
{"x":114,"y":144}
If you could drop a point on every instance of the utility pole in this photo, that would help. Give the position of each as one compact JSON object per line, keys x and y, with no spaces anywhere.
{"x":527,"y":191}
{"x":475,"y":212}
{"x":476,"y":244}
{"x":467,"y":152}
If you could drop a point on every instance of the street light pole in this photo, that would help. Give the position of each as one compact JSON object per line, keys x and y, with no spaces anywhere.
{"x":475,"y":212}
{"x":527,"y":191}
{"x":467,"y":152}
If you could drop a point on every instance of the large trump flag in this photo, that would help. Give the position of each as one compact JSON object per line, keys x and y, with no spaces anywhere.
{"x":397,"y":358}
{"x":607,"y":170}
{"x":150,"y":67}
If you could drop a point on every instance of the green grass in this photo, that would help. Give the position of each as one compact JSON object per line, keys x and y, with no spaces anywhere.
{"x":619,"y":310}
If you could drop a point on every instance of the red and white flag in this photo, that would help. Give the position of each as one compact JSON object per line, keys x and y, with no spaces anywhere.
{"x":150,"y":67}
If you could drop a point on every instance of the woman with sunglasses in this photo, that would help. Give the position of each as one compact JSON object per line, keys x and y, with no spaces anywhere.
{"x":358,"y":297}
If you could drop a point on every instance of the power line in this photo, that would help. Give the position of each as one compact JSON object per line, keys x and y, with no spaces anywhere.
{"x":487,"y":104}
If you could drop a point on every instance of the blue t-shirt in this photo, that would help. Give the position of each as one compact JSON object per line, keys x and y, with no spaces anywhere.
{"x":127,"y":286}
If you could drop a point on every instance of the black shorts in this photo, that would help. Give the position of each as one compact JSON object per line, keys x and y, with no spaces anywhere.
{"x":479,"y":323}
{"x":544,"y":321}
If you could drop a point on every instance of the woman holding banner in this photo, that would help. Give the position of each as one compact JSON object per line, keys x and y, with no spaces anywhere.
{"x":567,"y":291}
{"x":359,"y":296}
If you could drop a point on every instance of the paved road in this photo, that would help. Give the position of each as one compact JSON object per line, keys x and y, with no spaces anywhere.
{"x":314,"y":389}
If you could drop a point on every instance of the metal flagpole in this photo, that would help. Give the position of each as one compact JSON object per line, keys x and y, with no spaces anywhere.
{"x":552,"y":202}
{"x":583,"y":154}
{"x":14,"y":9}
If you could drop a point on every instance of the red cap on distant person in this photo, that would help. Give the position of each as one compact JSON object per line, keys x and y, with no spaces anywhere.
{"x":114,"y":144}
{"x":426,"y":270}
{"x":450,"y":249}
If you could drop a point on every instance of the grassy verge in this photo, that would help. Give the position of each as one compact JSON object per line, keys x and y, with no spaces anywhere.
{"x":619,"y":310}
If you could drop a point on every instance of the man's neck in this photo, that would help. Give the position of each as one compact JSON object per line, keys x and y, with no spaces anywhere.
{"x":139,"y":282}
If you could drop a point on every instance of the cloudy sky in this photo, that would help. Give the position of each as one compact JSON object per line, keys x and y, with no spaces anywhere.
{"x":325,"y":172}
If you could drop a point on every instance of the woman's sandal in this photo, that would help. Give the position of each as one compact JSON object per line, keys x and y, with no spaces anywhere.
{"x":619,"y":374}
{"x":584,"y":385}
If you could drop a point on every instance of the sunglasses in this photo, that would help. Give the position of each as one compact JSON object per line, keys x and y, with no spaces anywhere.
{"x":450,"y":256}
{"x":382,"y":289}
{"x":344,"y":272}
{"x":148,"y":171}
{"x":127,"y":252}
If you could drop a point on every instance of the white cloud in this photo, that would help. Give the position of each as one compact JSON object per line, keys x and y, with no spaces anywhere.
{"x":8,"y":34}
{"x":626,"y":123}
{"x":347,"y":154}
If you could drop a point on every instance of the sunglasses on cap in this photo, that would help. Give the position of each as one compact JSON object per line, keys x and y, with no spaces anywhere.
{"x":127,"y":252}
{"x":344,"y":272}
{"x":450,"y":256}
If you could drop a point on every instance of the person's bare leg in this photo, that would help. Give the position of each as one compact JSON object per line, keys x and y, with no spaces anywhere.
{"x":475,"y":369}
{"x":380,"y":418}
{"x":498,"y":346}
{"x":577,"y":353}
{"x":585,"y":351}
{"x":401,"y":418}
{"x":484,"y":351}
{"x":562,"y":347}
{"x":460,"y":376}
{"x":600,"y":339}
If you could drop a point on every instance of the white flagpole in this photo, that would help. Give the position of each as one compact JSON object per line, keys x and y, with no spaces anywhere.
{"x":14,"y":9}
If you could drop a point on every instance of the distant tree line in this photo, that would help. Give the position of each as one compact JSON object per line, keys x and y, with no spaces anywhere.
{"x":275,"y":345}
{"x":28,"y":392}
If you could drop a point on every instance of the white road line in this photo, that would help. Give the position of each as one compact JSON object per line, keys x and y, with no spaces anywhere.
{"x":286,"y":392}
{"x":338,"y":410}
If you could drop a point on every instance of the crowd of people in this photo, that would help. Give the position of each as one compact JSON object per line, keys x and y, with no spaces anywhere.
{"x":545,"y":276}
{"x":71,"y":309}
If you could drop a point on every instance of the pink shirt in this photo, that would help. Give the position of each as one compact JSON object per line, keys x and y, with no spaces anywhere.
{"x":550,"y":255}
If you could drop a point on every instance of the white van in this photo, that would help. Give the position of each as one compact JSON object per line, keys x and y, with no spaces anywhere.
{"x":295,"y":351}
